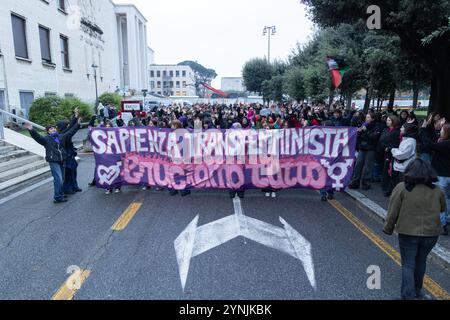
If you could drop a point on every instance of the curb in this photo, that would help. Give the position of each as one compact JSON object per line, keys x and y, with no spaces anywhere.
{"x":438,"y":252}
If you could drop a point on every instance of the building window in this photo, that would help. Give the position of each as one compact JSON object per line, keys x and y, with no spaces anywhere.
{"x":158,"y":74}
{"x":164,"y":73}
{"x":178,"y":84}
{"x":152,"y":84}
{"x":65,"y":51}
{"x":62,"y":5}
{"x":184,"y":74}
{"x":44,"y":37}
{"x":177,"y":74}
{"x":152,"y":74}
{"x":184,"y":84}
{"x":159,"y":85}
{"x":171,"y":74}
{"x":69,"y":95}
{"x":26,"y":100}
{"x":165,"y":84}
{"x":50,"y":94}
{"x":171,"y":84}
{"x":20,"y":36}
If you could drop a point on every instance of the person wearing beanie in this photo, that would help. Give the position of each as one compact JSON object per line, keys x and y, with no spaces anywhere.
{"x":56,"y":154}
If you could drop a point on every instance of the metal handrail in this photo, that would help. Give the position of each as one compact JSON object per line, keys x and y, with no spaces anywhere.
{"x":6,"y":113}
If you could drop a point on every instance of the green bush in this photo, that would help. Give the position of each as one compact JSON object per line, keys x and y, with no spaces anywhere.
{"x":49,"y":110}
{"x":111,"y":98}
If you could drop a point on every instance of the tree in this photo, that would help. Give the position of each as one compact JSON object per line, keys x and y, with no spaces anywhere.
{"x":273,"y":89}
{"x":421,"y":25}
{"x":255,"y":72}
{"x":295,"y":84}
{"x":111,"y":98}
{"x":201,"y":74}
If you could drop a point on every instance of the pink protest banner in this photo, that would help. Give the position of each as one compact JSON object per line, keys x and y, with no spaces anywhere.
{"x":314,"y":157}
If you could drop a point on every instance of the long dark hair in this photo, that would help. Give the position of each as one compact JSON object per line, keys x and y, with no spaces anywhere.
{"x":420,"y":172}
{"x":411,"y":130}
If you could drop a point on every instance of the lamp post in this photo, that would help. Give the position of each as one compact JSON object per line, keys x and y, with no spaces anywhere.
{"x":269,"y":31}
{"x":94,"y":66}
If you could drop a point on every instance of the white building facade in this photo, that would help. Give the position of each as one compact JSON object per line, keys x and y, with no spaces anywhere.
{"x":151,"y":56}
{"x":49,"y":47}
{"x":233,"y":84}
{"x":172,"y":80}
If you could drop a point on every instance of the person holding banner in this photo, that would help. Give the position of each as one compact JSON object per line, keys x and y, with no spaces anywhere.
{"x":368,"y":136}
{"x":175,"y":125}
{"x":239,"y":192}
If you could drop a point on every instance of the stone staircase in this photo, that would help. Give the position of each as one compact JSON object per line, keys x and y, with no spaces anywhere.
{"x":19,"y":169}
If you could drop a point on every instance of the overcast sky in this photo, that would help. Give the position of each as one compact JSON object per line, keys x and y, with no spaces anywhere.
{"x":222,"y":35}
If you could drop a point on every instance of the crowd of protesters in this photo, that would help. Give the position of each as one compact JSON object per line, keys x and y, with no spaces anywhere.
{"x":387,"y":142}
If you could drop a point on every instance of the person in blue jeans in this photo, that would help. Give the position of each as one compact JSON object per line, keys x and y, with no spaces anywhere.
{"x":55,"y":154}
{"x":414,"y":213}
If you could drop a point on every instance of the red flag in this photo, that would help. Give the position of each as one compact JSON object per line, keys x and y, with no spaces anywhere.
{"x":337,"y":70}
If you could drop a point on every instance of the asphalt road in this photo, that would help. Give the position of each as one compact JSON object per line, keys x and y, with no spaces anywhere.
{"x":39,"y":241}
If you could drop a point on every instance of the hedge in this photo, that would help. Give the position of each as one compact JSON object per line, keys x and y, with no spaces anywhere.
{"x":49,"y":110}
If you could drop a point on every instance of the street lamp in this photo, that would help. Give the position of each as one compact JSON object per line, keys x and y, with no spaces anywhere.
{"x":94,"y":66}
{"x":269,"y":31}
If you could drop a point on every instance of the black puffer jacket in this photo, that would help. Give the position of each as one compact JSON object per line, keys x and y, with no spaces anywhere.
{"x":368,"y":139}
{"x":55,"y":152}
{"x":441,"y":156}
{"x":433,"y":135}
{"x":63,"y":128}
{"x":389,"y":139}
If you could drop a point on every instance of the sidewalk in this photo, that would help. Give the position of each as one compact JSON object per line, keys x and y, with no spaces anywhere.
{"x":374,"y":200}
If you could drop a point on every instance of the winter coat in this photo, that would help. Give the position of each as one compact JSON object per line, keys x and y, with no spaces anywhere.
{"x":368,"y":139}
{"x":54,"y":151}
{"x":441,"y":153}
{"x":404,"y":154}
{"x":415,"y":213}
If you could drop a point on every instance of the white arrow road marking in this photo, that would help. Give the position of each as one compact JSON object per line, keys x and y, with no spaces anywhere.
{"x":194,"y":241}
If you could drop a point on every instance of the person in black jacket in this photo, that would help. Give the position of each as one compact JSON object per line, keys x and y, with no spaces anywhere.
{"x":70,"y":185}
{"x":368,"y":136}
{"x":433,"y":131}
{"x":56,"y":154}
{"x":441,"y":160}
{"x":389,"y":139}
